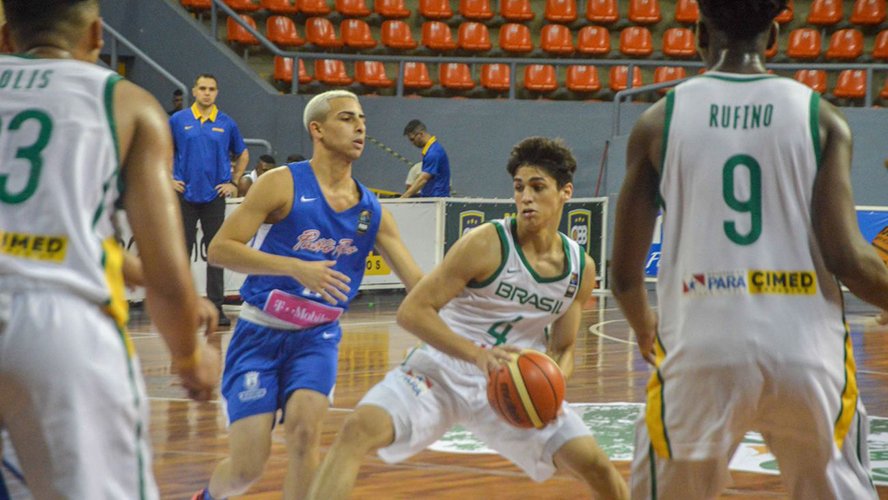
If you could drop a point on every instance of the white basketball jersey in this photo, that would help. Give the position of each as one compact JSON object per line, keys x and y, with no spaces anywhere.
{"x":59,"y":178}
{"x":515,"y":305}
{"x":741,"y":272}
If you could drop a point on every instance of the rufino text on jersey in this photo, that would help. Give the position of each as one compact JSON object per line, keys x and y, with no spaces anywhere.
{"x":748,"y":116}
{"x":517,"y":294}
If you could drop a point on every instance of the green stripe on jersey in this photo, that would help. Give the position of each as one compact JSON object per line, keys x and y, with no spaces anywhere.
{"x":814,"y":120}
{"x":504,"y":253}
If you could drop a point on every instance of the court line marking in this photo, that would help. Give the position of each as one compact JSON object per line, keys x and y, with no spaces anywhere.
{"x":873,"y":372}
{"x":596,"y":330}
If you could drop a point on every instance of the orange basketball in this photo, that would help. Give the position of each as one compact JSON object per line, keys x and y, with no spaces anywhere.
{"x":881,"y":244}
{"x":528,"y":391}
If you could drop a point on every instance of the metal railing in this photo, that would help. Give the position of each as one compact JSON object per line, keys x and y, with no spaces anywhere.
{"x":116,"y":38}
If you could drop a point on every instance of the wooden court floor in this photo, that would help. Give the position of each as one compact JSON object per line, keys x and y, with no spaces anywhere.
{"x":190,"y":438}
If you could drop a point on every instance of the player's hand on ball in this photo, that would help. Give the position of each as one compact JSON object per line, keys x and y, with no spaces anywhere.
{"x":488,"y":360}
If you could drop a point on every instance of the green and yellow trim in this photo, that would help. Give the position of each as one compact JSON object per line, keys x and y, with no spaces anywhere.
{"x":655,"y":410}
{"x":850,"y":393}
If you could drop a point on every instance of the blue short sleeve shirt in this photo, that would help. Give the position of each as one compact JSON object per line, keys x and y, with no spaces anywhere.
{"x":436,"y":164}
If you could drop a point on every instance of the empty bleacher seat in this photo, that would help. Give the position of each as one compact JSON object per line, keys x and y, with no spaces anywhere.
{"x":679,"y":42}
{"x":540,"y":78}
{"x":331,"y":72}
{"x":619,"y":78}
{"x":197,"y":5}
{"x":240,"y":6}
{"x":556,"y":39}
{"x":868,"y":12}
{"x":356,"y":34}
{"x":636,"y":41}
{"x":239,"y":34}
{"x":475,"y":10}
{"x":561,"y":11}
{"x":515,"y":38}
{"x":456,"y":76}
{"x":435,"y":9}
{"x":391,"y":9}
{"x":644,"y":11}
{"x":516,"y":11}
{"x":845,"y":45}
{"x":602,"y":11}
{"x":496,"y":77}
{"x":283,"y":70}
{"x":582,"y":78}
{"x":396,"y":34}
{"x":687,"y":11}
{"x":372,"y":74}
{"x":313,"y":7}
{"x":814,"y":78}
{"x":667,"y":74}
{"x":884,"y":92}
{"x":416,"y":76}
{"x":473,"y":36}
{"x":437,"y":36}
{"x":851,"y":84}
{"x":280,"y":6}
{"x":319,"y":31}
{"x":771,"y":51}
{"x":594,"y":41}
{"x":352,"y":8}
{"x":825,"y":12}
{"x":804,"y":43}
{"x":880,"y":46}
{"x":787,"y":14}
{"x":281,"y":30}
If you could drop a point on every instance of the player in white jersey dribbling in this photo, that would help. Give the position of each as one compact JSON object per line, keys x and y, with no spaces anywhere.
{"x":482,"y":322}
{"x":752,"y":172}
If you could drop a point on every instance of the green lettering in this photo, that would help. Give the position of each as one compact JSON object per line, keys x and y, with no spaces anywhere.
{"x":713,"y":116}
{"x":769,"y":112}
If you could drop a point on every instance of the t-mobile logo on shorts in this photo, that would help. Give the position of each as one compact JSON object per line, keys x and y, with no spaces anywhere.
{"x":252,"y":391}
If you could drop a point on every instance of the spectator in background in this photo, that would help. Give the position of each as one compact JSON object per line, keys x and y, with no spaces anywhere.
{"x":178,"y":102}
{"x":434,"y":181}
{"x":293,"y":158}
{"x":266,"y":163}
{"x":412,"y":175}
{"x":203,"y":139}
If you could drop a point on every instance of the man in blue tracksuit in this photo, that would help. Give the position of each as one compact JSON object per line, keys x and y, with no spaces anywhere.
{"x":434,"y":181}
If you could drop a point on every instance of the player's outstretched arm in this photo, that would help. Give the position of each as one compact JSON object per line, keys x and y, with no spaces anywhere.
{"x":395,"y":253}
{"x":153,"y":213}
{"x":475,"y":256}
{"x":563,"y":336}
{"x":845,"y":252}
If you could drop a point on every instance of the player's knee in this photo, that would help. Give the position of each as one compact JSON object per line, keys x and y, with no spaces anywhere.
{"x":303,"y":435}
{"x":363,"y":433}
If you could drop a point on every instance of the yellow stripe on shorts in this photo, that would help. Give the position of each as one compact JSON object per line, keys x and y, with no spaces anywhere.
{"x":849,"y":394}
{"x":116,"y":307}
{"x":526,"y":402}
{"x":654,"y":411}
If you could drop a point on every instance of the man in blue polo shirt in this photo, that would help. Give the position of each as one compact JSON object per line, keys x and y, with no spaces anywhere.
{"x":434,"y":181}
{"x":205,"y":139}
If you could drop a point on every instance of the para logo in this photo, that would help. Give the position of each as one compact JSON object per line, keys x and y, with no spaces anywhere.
{"x":579,"y":225}
{"x":468,"y":220}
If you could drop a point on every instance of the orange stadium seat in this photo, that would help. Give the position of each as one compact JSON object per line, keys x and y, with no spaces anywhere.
{"x":320,"y":31}
{"x":880,"y":46}
{"x":331,"y":72}
{"x":437,"y":36}
{"x":636,"y":41}
{"x":240,"y":6}
{"x":868,"y":12}
{"x":280,"y":6}
{"x":845,"y":45}
{"x":416,"y":76}
{"x":239,"y":34}
{"x":540,"y":78}
{"x":352,"y":8}
{"x":435,"y":9}
{"x":516,"y":11}
{"x":771,"y":51}
{"x":372,"y":74}
{"x":396,"y":34}
{"x":561,"y":11}
{"x":313,"y":7}
{"x":515,"y":38}
{"x":281,"y":30}
{"x":556,"y":39}
{"x":456,"y":76}
{"x":804,"y":43}
{"x":687,"y":11}
{"x":391,"y":9}
{"x":474,"y":37}
{"x":619,"y":78}
{"x":197,"y":5}
{"x":825,"y":12}
{"x":644,"y":11}
{"x":679,"y":42}
{"x":884,"y":92}
{"x":667,"y":74}
{"x":851,"y":84}
{"x":356,"y":34}
{"x":594,"y":41}
{"x":787,"y":14}
{"x":582,"y":79}
{"x":476,"y":10}
{"x":814,"y":78}
{"x":283,"y":70}
{"x":602,"y":11}
{"x":495,"y":77}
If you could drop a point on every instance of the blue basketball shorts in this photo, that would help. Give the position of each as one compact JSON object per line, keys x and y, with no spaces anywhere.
{"x":264,"y":366}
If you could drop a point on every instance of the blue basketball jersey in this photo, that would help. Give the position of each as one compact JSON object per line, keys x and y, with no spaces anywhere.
{"x":314,"y":231}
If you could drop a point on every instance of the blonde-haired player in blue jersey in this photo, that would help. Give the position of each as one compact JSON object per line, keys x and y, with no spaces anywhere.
{"x":752,"y":172}
{"x":498,"y":290}
{"x":74,"y":139}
